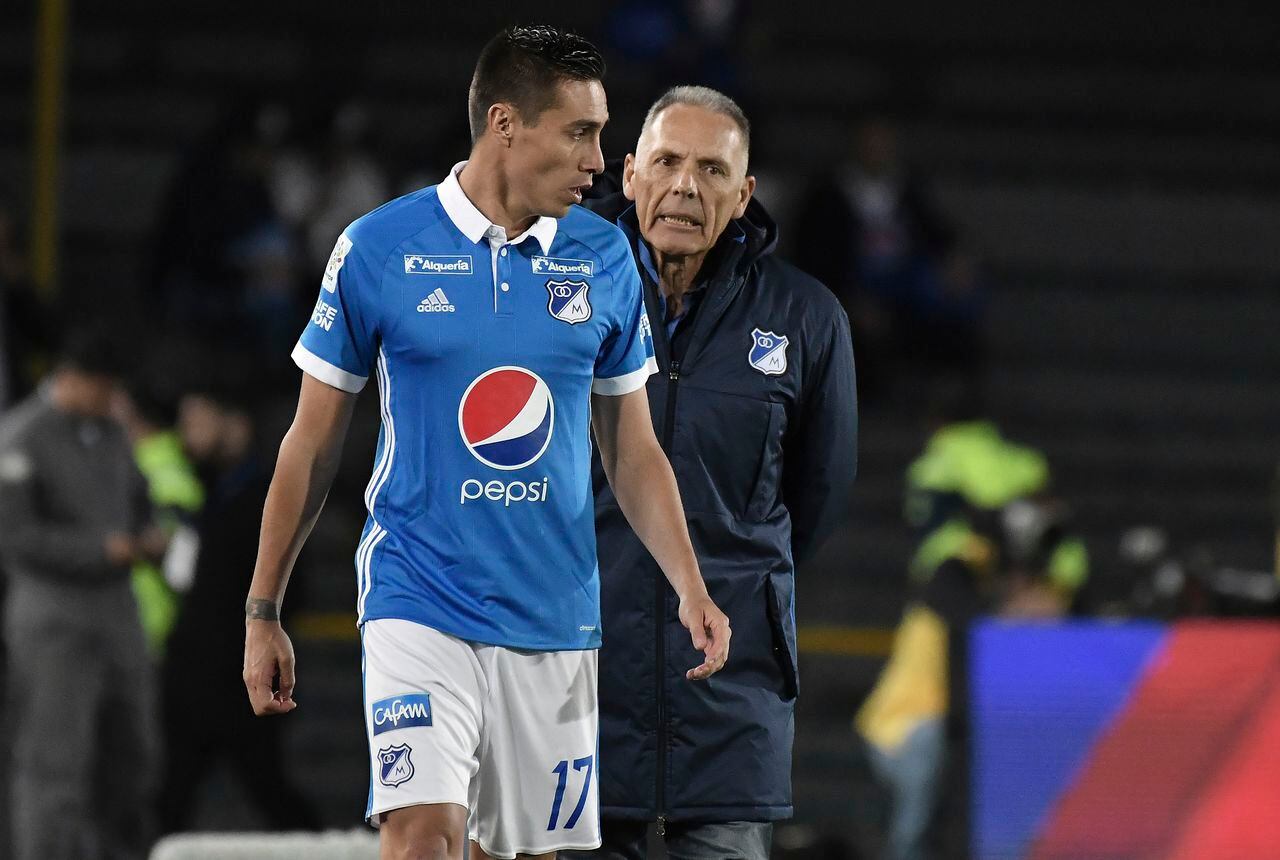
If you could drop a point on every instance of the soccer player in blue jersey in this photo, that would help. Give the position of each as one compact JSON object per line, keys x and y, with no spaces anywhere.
{"x":504,"y":324}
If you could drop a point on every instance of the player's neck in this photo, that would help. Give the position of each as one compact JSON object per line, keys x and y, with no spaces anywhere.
{"x":486,"y":186}
{"x":676,"y":274}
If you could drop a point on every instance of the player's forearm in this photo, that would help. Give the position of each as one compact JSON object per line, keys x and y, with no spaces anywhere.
{"x":304,"y":473}
{"x":646,"y":490}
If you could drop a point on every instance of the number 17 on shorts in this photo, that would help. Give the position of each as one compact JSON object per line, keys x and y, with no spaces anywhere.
{"x":584,"y":765}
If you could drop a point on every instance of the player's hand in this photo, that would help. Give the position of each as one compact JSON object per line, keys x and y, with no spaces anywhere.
{"x":268,"y":655}
{"x":709,"y":628}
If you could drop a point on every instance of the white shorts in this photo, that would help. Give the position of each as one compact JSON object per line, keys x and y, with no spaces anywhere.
{"x":508,"y":734}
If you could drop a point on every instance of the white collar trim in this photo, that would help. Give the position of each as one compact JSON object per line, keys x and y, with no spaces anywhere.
{"x":473,"y":224}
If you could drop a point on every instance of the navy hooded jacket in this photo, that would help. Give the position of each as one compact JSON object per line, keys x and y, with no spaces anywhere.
{"x":755,"y":406}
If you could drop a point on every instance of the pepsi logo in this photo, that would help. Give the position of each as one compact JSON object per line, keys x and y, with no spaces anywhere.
{"x":506,"y":417}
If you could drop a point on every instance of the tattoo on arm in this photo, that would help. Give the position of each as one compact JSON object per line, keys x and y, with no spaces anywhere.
{"x":261,"y":609}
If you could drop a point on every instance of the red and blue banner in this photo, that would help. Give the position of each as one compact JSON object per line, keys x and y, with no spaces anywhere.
{"x":1126,"y":740}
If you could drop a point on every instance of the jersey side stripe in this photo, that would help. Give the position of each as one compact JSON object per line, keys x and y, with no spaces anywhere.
{"x":362,"y":575}
{"x":384,"y":374}
{"x":368,"y":567}
{"x":381,"y":465}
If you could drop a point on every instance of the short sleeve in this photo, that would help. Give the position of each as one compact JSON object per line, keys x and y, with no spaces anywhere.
{"x":339,"y":343}
{"x":626,"y":361}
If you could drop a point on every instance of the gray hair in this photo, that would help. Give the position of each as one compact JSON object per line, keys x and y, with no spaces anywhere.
{"x":703,"y":97}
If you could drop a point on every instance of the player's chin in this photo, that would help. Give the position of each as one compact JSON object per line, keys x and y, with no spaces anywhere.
{"x":560,"y":208}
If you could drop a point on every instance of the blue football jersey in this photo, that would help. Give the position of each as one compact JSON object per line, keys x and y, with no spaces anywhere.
{"x":486,"y":351}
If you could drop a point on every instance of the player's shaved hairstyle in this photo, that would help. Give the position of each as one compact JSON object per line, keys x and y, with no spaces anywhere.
{"x":705,"y":98}
{"x":522,"y":66}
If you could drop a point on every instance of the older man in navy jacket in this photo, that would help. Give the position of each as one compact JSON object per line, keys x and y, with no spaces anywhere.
{"x":756,"y":408}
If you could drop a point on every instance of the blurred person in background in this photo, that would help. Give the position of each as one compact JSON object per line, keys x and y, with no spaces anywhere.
{"x":218,"y":206}
{"x":81,"y":689}
{"x":673,"y":41}
{"x":756,"y":407}
{"x":910,"y":284}
{"x":914,"y":720}
{"x":201,"y":673}
{"x":149,"y":415}
{"x":969,"y":469}
{"x":349,"y":181}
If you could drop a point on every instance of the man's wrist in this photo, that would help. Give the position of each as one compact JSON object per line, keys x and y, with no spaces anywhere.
{"x":690,"y":586}
{"x":261,"y":609}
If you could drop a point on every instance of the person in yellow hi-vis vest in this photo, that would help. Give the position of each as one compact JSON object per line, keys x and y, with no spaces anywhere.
{"x":914,"y":716}
{"x":176,"y":493}
{"x":969,"y":469}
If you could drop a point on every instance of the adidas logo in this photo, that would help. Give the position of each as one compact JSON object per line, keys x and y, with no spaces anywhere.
{"x":436,"y":303}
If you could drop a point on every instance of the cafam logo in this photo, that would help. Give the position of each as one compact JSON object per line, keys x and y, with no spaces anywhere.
{"x":410,"y":710}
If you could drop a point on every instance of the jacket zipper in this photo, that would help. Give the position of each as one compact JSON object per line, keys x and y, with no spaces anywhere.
{"x":660,"y":616}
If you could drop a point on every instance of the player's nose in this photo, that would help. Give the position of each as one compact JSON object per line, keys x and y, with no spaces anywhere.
{"x":595,"y":160}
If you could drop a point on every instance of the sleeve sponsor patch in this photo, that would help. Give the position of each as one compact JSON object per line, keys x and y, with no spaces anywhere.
{"x":336,"y":259}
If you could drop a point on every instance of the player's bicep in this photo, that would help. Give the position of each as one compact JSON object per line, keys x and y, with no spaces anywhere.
{"x":622,"y":426}
{"x":604,"y":426}
{"x":323,"y":416}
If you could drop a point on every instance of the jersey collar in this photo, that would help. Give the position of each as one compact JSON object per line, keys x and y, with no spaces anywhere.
{"x":472,"y":223}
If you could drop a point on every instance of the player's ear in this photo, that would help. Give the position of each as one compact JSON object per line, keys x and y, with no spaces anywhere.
{"x":501,"y":122}
{"x":744,"y":196}
{"x":628,"y":176}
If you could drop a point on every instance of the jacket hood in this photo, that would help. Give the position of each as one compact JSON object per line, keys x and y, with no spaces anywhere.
{"x":605,"y":198}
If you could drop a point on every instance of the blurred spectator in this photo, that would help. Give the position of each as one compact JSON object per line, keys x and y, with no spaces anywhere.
{"x":76,"y":518}
{"x":267,"y":263}
{"x":909,"y":284}
{"x":968,"y":469}
{"x":291,"y":172}
{"x":914,"y":719}
{"x":149,"y":417}
{"x":218,"y":202}
{"x":351,"y":182}
{"x":206,"y":721}
{"x":678,"y":42}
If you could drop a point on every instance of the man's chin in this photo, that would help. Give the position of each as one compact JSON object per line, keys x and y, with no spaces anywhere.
{"x":669,"y":246}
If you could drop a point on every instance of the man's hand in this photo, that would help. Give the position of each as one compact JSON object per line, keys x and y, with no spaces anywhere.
{"x":709,"y":628}
{"x":120,"y":549}
{"x":268,"y":653}
{"x":153,"y":543}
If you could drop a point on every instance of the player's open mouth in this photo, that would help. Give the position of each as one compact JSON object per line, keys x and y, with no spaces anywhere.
{"x":679,"y":221}
{"x":577,"y":191}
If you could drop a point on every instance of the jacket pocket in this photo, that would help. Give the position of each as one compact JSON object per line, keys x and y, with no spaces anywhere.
{"x":726,"y":448}
{"x":764,"y":492}
{"x":780,"y":591}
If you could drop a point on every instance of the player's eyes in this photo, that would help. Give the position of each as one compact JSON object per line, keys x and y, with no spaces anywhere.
{"x":713,"y":170}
